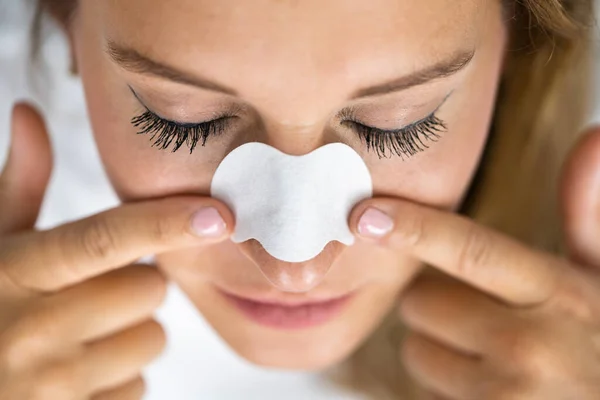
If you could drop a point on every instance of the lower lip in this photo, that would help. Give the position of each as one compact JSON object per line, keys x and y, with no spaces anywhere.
{"x":289,"y":317}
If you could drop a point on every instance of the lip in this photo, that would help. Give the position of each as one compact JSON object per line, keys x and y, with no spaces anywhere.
{"x":289,"y":314}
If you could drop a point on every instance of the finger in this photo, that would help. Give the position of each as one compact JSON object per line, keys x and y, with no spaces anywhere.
{"x":132,"y":390}
{"x":433,"y":396}
{"x":580,"y":200}
{"x":88,"y":312}
{"x":113,"y":361}
{"x":452,"y":313}
{"x":27,"y":171}
{"x":101,"y":306}
{"x":440,"y":369}
{"x":77,"y":251}
{"x":458,"y":246}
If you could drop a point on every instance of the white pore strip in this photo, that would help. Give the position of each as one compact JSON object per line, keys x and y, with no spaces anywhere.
{"x":292,"y":205}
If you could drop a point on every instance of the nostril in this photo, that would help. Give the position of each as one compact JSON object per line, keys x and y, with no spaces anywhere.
{"x":288,"y":276}
{"x":295,"y":278}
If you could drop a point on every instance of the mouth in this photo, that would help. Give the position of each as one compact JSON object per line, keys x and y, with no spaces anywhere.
{"x":289,"y":314}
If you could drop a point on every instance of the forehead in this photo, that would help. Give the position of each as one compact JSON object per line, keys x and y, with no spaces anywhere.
{"x":309,"y":31}
{"x":270,"y":49}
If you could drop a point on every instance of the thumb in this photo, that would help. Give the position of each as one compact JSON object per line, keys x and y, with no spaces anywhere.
{"x":580,"y":200}
{"x":27,"y":171}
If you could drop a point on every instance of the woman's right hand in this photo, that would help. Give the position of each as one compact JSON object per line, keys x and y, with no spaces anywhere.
{"x":74,"y":322}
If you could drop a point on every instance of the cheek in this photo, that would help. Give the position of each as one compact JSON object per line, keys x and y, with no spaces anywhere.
{"x":135,"y":168}
{"x":440,"y":175}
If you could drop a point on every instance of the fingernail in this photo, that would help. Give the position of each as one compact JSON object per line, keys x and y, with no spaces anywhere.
{"x":374,"y":223}
{"x":207,"y":222}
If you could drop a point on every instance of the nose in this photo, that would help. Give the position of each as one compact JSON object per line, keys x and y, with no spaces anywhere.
{"x":294,"y":277}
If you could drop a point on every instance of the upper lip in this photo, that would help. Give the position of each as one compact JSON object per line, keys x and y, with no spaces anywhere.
{"x":292,"y":301}
{"x":292,"y":277}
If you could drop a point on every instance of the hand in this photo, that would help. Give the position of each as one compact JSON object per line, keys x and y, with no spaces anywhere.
{"x":503,"y":321}
{"x":75,"y":323}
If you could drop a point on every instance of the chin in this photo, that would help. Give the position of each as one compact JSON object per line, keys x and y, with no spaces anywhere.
{"x":309,"y":349}
{"x":319,"y":356}
{"x":312,"y":349}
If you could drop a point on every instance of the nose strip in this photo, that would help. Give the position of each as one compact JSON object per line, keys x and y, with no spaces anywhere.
{"x":293,"y":205}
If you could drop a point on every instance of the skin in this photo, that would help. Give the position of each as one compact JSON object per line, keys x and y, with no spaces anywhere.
{"x":506,"y":321}
{"x":501,"y":321}
{"x":290,"y":102}
{"x":56,"y":339}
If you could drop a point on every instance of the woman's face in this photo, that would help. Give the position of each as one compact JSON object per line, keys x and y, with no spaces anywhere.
{"x":292,"y":74}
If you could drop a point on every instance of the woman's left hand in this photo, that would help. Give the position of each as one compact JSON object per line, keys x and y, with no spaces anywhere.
{"x":509,"y":322}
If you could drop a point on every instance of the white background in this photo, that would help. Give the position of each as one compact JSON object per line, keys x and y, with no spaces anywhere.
{"x":196,"y":364}
{"x":80,"y":188}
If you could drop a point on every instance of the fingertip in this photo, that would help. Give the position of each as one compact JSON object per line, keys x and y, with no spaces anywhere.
{"x":29,"y":132}
{"x":27,"y":169}
{"x":580,"y":181}
{"x":24,"y":111}
{"x":585,"y":149}
{"x":373,"y":217}
{"x":357,"y":211}
{"x":580,"y":197}
{"x":212,"y":219}
{"x":225,"y":212}
{"x":228,"y":216}
{"x":207,"y":222}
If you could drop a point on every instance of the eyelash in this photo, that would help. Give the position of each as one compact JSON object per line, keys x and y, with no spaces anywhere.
{"x":164,"y":132}
{"x":404,"y":142}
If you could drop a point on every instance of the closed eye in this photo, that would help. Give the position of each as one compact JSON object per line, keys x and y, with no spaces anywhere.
{"x":403,"y":142}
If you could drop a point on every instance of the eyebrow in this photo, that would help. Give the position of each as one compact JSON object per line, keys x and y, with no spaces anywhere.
{"x":132,"y":60}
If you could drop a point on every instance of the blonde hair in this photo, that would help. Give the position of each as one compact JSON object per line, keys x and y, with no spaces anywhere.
{"x":541,"y":106}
